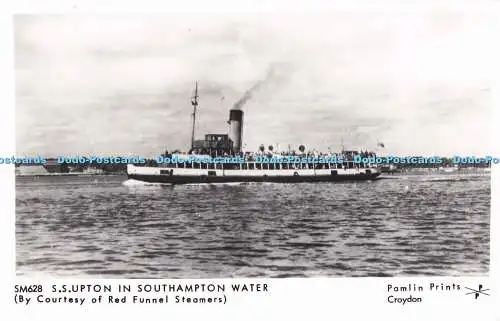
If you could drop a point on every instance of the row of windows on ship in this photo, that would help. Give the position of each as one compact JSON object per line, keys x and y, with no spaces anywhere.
{"x":265,"y":166}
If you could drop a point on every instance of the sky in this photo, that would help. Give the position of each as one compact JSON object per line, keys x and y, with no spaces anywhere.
{"x":420,"y":82}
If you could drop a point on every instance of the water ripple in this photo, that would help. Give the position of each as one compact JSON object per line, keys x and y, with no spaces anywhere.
{"x":418,"y":225}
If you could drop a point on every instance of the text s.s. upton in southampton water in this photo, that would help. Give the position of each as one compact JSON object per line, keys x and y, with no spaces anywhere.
{"x":140,"y":293}
{"x":158,"y":287}
{"x":230,"y":145}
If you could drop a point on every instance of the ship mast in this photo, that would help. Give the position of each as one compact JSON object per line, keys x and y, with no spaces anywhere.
{"x":194,"y":102}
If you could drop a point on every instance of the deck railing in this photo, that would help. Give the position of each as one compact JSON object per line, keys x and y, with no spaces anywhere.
{"x":265,"y":166}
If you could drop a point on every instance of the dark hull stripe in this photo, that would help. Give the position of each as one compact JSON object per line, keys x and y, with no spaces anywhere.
{"x":176,"y":179}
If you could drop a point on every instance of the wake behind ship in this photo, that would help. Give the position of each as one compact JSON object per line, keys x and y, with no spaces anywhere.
{"x":198,"y":165}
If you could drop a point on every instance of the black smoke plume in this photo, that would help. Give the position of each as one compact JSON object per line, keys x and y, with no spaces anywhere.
{"x":271,"y":73}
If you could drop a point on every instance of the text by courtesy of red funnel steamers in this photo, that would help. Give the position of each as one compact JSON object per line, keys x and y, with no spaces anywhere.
{"x":138,"y":293}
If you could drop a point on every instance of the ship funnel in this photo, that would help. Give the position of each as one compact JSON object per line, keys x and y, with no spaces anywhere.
{"x":236,"y":128}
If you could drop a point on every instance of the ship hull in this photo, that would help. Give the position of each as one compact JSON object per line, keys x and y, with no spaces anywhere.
{"x":297,"y":178}
{"x":237,"y":179}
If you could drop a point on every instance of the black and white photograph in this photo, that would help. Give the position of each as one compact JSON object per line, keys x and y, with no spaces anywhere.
{"x":256,"y":145}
